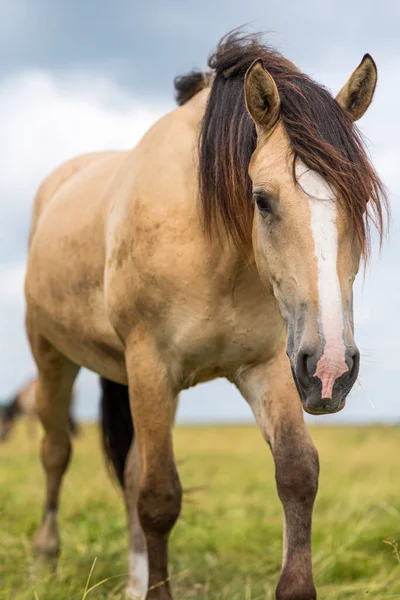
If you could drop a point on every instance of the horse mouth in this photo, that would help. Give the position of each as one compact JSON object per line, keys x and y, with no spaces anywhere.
{"x":323,"y":410}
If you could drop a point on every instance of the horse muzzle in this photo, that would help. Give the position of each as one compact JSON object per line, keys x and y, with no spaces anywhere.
{"x":323,"y":378}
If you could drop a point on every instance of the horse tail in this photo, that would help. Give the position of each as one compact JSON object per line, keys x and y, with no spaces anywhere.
{"x":116,"y":425}
{"x":187,"y":86}
{"x":73,"y":426}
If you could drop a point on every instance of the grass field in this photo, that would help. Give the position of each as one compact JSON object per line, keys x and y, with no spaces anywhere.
{"x":227,"y":544}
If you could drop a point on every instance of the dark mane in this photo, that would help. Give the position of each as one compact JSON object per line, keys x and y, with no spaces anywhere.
{"x":320,"y":132}
{"x":187,"y":86}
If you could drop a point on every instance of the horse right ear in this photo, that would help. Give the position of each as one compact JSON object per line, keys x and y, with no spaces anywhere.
{"x":262,"y":97}
{"x":356,"y":95}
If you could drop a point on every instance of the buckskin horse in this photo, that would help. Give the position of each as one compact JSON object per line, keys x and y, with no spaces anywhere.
{"x":225,"y":244}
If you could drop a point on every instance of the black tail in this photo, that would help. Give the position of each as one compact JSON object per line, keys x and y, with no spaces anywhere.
{"x":186,"y":86}
{"x":74,"y":427}
{"x":116,"y":425}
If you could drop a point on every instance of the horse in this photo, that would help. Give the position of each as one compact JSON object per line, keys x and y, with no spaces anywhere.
{"x":225,"y":244}
{"x":23,"y":404}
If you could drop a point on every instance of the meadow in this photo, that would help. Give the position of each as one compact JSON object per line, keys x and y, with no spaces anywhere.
{"x":227,"y":544}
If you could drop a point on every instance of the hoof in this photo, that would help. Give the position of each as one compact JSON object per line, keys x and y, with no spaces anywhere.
{"x":131,"y":593}
{"x":47,"y":542}
{"x":43,"y":565}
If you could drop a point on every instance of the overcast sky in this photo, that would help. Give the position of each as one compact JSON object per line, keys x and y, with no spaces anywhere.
{"x":77,"y":76}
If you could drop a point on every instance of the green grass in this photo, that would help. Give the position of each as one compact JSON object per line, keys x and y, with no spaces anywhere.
{"x":227,"y":543}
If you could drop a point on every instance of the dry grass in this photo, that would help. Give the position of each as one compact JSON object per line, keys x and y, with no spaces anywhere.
{"x":227,"y":544}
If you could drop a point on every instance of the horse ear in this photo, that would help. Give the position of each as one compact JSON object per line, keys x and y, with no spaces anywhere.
{"x":356,"y":95}
{"x":262,"y":96}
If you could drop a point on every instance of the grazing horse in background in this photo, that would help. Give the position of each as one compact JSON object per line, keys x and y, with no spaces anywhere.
{"x":23,"y":404}
{"x":225,"y":244}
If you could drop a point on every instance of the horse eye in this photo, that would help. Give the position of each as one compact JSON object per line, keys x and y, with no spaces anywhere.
{"x":263,"y":204}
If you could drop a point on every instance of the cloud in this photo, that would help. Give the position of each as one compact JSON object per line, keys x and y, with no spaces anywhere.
{"x":145,"y":45}
{"x":45,"y":120}
{"x":16,"y":20}
{"x":12,"y":278}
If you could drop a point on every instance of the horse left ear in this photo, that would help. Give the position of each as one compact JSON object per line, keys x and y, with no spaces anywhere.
{"x":356,"y":95}
{"x":262,"y":97}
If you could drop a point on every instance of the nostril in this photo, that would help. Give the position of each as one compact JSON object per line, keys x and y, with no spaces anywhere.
{"x":353,"y":362}
{"x":303,"y":365}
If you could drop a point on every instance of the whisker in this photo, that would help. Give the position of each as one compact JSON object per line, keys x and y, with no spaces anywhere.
{"x":366,"y":395}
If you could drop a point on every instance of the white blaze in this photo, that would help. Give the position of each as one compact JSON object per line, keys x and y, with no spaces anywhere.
{"x":322,"y":204}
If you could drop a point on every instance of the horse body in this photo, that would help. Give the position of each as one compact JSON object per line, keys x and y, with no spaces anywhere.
{"x":135,"y":260}
{"x":73,"y":271}
{"x":127,"y":277}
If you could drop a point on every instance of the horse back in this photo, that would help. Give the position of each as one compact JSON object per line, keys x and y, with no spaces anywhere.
{"x":56,"y":179}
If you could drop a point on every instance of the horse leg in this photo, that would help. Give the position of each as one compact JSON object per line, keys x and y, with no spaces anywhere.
{"x":138,"y":576}
{"x":272,"y":394}
{"x":53,"y":395}
{"x":154,"y":492}
{"x":138,"y":579}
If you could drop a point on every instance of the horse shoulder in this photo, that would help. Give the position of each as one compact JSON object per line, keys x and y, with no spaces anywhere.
{"x":154,"y":234}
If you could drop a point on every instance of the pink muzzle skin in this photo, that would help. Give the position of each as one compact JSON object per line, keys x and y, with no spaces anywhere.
{"x":330,"y":367}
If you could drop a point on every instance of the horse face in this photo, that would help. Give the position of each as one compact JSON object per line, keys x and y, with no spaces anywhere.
{"x":305,"y":252}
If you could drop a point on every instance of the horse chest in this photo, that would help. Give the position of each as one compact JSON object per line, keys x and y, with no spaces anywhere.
{"x":216,"y":346}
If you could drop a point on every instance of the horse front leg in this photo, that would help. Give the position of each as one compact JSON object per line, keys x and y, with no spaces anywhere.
{"x":138,"y":576}
{"x":156,"y":491}
{"x":272,"y":394}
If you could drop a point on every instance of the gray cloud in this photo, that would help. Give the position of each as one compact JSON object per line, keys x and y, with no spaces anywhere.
{"x":143,"y":45}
